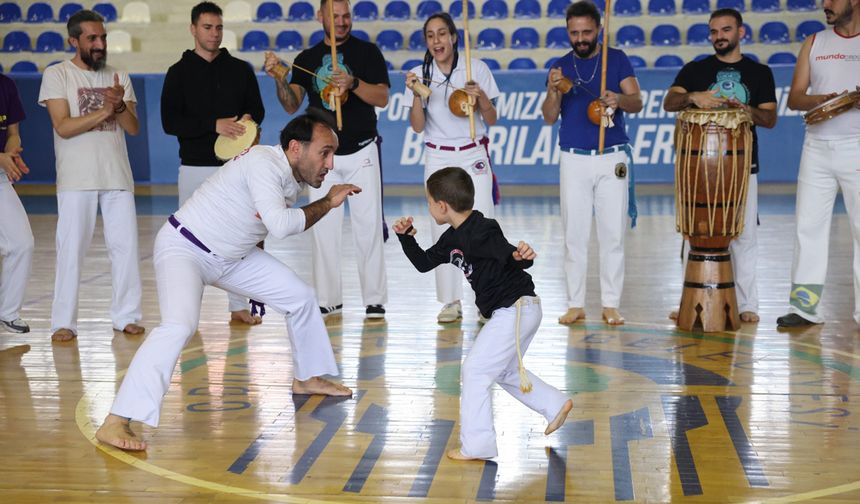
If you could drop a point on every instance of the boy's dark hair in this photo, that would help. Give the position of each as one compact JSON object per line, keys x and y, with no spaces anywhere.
{"x":728,"y":13}
{"x":73,"y":25}
{"x":301,"y":128}
{"x":204,"y":8}
{"x":583,"y":8}
{"x":453,"y":186}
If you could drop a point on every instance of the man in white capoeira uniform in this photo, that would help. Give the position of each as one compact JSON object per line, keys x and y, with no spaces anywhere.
{"x":16,"y":237}
{"x":92,"y":107}
{"x":212,"y":240}
{"x":828,"y":64}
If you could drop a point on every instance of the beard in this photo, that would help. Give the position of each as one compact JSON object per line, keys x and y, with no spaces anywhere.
{"x":338,"y":38}
{"x":729,"y":47}
{"x":95,"y":64}
{"x":584,"y":49}
{"x":842,"y":18}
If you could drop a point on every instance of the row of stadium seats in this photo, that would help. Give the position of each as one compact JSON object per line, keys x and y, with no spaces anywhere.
{"x":42,"y":12}
{"x":50,"y":41}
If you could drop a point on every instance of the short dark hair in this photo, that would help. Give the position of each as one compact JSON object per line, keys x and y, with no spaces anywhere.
{"x":302,"y":127}
{"x":323,"y":2}
{"x":583,"y":8}
{"x":728,"y":13}
{"x":453,"y":186}
{"x":204,"y":8}
{"x":73,"y":25}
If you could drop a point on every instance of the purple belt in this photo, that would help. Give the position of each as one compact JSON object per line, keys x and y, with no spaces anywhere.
{"x":188,"y":234}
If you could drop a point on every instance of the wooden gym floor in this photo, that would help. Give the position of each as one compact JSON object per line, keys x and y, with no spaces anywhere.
{"x":659,"y":415}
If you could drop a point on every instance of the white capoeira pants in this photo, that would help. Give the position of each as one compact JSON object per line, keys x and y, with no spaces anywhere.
{"x":76,"y":220}
{"x":825,"y":166}
{"x":449,"y":278}
{"x":16,"y":251}
{"x":190,"y":178}
{"x":589,"y":185}
{"x":181,"y":272}
{"x":365,"y":211}
{"x":744,"y":251}
{"x":493,"y":359}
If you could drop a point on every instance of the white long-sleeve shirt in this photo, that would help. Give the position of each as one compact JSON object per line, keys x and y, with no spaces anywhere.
{"x":247,"y":199}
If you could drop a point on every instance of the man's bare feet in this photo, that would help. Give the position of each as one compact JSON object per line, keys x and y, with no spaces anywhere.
{"x":673,"y":315}
{"x":612,"y":317}
{"x":317,"y":385}
{"x":456,"y":454}
{"x":750,"y":317}
{"x":245,"y":317}
{"x":133,"y":329}
{"x":572,"y":315}
{"x":559,"y":419}
{"x":117,"y":432}
{"x":63,"y":335}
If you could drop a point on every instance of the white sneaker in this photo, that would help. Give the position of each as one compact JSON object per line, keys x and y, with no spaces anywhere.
{"x":451,"y":312}
{"x":15,"y":326}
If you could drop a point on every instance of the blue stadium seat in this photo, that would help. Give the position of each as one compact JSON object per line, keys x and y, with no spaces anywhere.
{"x":365,"y":10}
{"x":550,"y":62}
{"x":738,"y":5}
{"x":628,"y":8}
{"x":774,"y":32}
{"x":807,"y":28}
{"x":107,"y":10}
{"x":67,"y":10}
{"x":389,"y":40}
{"x":600,"y":4}
{"x":527,"y":9}
{"x":461,"y":39}
{"x":748,"y":35}
{"x":410,"y":64}
{"x":269,"y":12}
{"x":492,"y":64}
{"x":557,"y":8}
{"x":782,"y":58}
{"x":556,"y":38}
{"x":427,"y":8}
{"x":765,"y":5}
{"x":50,"y":41}
{"x":522,"y":64}
{"x":16,"y":41}
{"x":696,"y":7}
{"x":491,"y":38}
{"x":630,"y":36}
{"x":698,"y":34}
{"x":661,"y":7}
{"x":389,"y":65}
{"x":416,"y":41}
{"x":315,"y":38}
{"x":40,"y":12}
{"x":494,"y":9}
{"x":397,"y":10}
{"x":301,"y":11}
{"x":10,"y":12}
{"x":24,"y":67}
{"x":669,"y":61}
{"x":637,"y":61}
{"x":801,"y":5}
{"x":701,"y":57}
{"x":751,"y":56}
{"x":255,"y":40}
{"x":665,"y":35}
{"x":456,"y":9}
{"x":361,"y":35}
{"x":289,"y":40}
{"x":525,"y":38}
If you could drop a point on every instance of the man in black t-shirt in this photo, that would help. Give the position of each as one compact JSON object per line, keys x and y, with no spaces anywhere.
{"x":729,"y":79}
{"x":363,"y":75}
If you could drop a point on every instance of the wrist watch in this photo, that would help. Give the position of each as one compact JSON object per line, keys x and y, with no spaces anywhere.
{"x":354,"y":84}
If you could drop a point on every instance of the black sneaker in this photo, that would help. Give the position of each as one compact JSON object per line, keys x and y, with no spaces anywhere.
{"x":331,"y":310}
{"x":375,"y":311}
{"x":793,"y":320}
{"x":16,"y":326}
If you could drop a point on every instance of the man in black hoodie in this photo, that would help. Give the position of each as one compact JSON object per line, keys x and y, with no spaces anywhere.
{"x":205,"y":94}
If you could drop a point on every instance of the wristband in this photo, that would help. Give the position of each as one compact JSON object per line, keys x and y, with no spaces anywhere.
{"x":120,"y":109}
{"x":355,"y":83}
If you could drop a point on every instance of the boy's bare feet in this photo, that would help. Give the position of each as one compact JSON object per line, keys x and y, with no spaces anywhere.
{"x":749,"y":316}
{"x":133,"y":329}
{"x":572,"y":315}
{"x":63,"y":335}
{"x":612,"y":317}
{"x":245,"y":317}
{"x":117,"y":432}
{"x":321,"y":386}
{"x":559,"y":419}
{"x":456,"y":454}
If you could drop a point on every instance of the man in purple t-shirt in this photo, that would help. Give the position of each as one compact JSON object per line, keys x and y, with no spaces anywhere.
{"x":16,"y":238}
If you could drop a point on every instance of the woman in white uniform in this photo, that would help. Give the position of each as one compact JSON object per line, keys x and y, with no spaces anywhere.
{"x":446,"y":136}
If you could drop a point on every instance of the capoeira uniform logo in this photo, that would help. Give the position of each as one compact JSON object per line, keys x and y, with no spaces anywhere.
{"x":458,"y":259}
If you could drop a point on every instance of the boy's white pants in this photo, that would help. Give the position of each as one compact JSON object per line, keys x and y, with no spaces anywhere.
{"x":493,"y":359}
{"x":365,"y":212}
{"x":16,"y":250}
{"x":181,"y":271}
{"x":76,"y":220}
{"x":190,"y":178}
{"x":449,"y":278}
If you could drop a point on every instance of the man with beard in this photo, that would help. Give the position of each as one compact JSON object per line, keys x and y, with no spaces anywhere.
{"x":592,"y":182}
{"x":363,"y":74}
{"x":730,"y":79}
{"x":212,"y":240}
{"x":204,"y":95}
{"x":828,"y":64}
{"x":92,"y":107}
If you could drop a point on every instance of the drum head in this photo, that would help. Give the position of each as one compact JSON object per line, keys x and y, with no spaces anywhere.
{"x":227,"y":148}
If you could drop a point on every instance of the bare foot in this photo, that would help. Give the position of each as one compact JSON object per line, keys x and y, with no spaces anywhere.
{"x":456,"y":454}
{"x":317,"y":385}
{"x":559,"y":419}
{"x":63,"y":335}
{"x":673,"y":315}
{"x":612,"y":317}
{"x":749,"y":316}
{"x":133,"y":329}
{"x":572,"y":315}
{"x":245,"y":317}
{"x":116,"y":431}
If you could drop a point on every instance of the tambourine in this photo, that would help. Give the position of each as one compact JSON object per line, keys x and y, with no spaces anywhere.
{"x":227,"y":148}
{"x":832,"y":107}
{"x":459,"y":103}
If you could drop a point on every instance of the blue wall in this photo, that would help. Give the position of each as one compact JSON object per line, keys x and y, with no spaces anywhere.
{"x":523,"y":149}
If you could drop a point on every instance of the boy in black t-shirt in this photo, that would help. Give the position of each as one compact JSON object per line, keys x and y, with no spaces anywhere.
{"x":504,"y":293}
